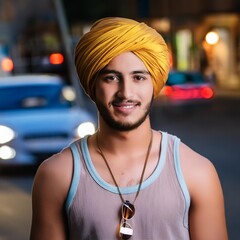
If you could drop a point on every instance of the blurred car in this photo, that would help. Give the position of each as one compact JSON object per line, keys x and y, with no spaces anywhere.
{"x":186,"y":88}
{"x":37,"y":119}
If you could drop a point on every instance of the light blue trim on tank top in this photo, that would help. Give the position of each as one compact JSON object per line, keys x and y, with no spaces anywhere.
{"x":181,"y":181}
{"x":124,"y":190}
{"x":76,"y":176}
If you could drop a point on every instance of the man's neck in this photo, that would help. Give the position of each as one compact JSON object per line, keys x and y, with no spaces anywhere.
{"x":124,"y":140}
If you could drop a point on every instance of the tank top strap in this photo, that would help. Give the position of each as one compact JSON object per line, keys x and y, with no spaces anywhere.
{"x":76,"y":174}
{"x":180,"y":177}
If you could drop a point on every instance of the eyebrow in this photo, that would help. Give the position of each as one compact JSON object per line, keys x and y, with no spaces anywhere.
{"x":108,"y":71}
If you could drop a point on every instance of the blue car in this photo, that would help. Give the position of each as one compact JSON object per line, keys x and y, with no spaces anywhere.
{"x":38,"y":118}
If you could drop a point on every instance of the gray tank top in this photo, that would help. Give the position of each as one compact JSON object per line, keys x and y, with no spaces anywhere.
{"x":161,"y":209}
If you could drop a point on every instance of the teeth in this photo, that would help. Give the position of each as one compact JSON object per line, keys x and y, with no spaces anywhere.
{"x":127,"y":106}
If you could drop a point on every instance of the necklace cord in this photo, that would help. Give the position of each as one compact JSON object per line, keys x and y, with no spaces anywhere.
{"x":143,"y":171}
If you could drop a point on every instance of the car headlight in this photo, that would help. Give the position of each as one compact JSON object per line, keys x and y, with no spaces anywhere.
{"x":86,"y":128}
{"x":7,"y":153}
{"x":6,"y":134}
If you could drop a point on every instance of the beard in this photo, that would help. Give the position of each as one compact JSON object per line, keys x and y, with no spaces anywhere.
{"x":120,"y":125}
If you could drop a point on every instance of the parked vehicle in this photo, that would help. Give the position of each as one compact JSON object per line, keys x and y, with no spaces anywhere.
{"x":38,"y":118}
{"x":186,"y":88}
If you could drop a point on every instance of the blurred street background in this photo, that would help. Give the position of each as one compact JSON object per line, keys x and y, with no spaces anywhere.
{"x":38,"y":37}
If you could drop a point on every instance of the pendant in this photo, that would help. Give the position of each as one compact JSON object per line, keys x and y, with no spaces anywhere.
{"x":128,"y":211}
{"x":126,"y":230}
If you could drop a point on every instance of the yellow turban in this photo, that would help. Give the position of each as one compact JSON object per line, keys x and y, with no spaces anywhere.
{"x":110,"y":37}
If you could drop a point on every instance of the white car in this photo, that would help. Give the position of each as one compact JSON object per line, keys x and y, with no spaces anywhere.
{"x":37,"y":120}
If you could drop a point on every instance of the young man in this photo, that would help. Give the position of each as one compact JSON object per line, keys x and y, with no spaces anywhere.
{"x":127,"y":180}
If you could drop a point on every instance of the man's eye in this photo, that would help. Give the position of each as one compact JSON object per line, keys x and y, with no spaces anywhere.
{"x":111,"y":78}
{"x":140,"y":78}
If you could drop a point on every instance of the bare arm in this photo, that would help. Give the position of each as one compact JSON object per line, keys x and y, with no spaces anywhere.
{"x":207,"y":214}
{"x":50,"y":189}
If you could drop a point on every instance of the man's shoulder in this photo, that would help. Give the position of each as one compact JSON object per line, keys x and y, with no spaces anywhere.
{"x":56,"y":170}
{"x":58,"y":162}
{"x":193,"y":161}
{"x":187,"y":152}
{"x":198,"y":170}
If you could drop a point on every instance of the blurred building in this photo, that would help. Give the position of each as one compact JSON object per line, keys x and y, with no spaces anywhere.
{"x":184,"y":24}
{"x":31,"y":30}
{"x":190,"y":22}
{"x":29,"y":34}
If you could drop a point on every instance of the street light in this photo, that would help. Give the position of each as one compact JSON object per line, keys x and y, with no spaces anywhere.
{"x":212,"y":38}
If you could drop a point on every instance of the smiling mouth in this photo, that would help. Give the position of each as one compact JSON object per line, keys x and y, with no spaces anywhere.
{"x":125,"y":105}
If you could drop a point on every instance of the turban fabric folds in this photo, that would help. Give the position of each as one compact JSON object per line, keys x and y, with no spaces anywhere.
{"x":110,"y":37}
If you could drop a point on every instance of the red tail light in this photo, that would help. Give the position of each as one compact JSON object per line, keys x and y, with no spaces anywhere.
{"x":177,"y":93}
{"x":56,"y":58}
{"x":167,"y":90}
{"x":7,"y":64}
{"x":207,"y":92}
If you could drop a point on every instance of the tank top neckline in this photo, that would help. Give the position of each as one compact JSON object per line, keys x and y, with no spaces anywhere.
{"x":130,"y":189}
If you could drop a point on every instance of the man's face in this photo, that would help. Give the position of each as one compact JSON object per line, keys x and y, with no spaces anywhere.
{"x":124,"y":92}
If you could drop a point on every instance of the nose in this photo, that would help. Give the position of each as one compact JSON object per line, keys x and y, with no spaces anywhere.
{"x":125,"y":88}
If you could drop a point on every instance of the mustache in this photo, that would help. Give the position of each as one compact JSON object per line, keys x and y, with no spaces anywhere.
{"x":124,"y":101}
